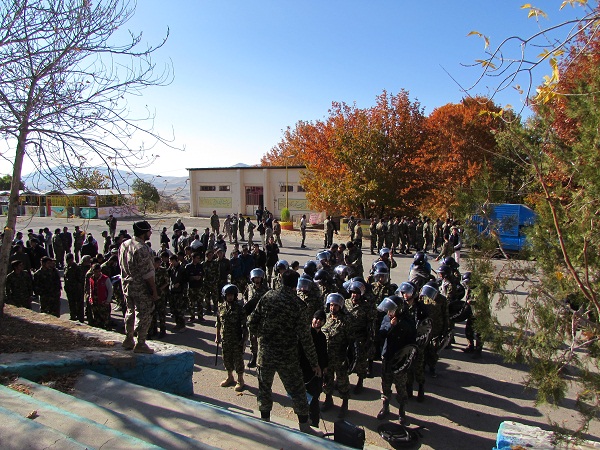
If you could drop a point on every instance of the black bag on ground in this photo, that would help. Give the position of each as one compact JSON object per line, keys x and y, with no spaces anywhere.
{"x":348,"y":434}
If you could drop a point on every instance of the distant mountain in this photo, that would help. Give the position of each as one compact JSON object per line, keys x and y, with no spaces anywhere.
{"x":56,"y":178}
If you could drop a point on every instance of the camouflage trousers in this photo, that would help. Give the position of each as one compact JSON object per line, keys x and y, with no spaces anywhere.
{"x":388,"y":377}
{"x":417,"y":371}
{"x":211,"y":296}
{"x":337,"y":371}
{"x":101,"y":315}
{"x":373,"y":242}
{"x":196,"y":302}
{"x":253,"y":344}
{"x":233,"y":357}
{"x":159,"y":317}
{"x":250,"y":240}
{"x":431,"y":356}
{"x":76,"y":305}
{"x":291,"y":377}
{"x":138,"y":316}
{"x":178,"y":304}
{"x":362,"y":354}
{"x":50,"y":304}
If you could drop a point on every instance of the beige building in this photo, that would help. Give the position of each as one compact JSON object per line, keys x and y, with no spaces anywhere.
{"x":230,"y":190}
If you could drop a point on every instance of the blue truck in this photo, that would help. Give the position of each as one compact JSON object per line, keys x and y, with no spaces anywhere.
{"x":508,"y":220}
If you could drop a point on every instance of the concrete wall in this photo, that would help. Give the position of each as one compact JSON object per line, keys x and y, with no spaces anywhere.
{"x":230,"y":184}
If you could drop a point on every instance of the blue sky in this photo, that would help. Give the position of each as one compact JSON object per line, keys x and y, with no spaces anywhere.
{"x":245,"y":70}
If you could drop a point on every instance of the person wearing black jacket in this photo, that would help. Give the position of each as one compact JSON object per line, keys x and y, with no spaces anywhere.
{"x":314,"y":384}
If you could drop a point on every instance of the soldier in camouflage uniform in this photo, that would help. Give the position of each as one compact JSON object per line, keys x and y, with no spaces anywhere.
{"x":437,"y":309}
{"x":74,"y":288}
{"x":310,"y":294}
{"x":373,"y":235}
{"x":139,"y":287}
{"x":362,"y":317}
{"x":177,"y":290}
{"x":211,"y":282}
{"x":338,"y":333}
{"x":195,"y":275}
{"x":19,"y":286}
{"x":159,"y":318}
{"x":279,"y":322}
{"x":59,"y":250}
{"x":46,"y":284}
{"x":78,"y":240}
{"x":396,"y":332}
{"x":381,"y":230}
{"x":254,"y":291}
{"x":353,"y":259}
{"x":232,"y":332}
{"x":417,"y":313}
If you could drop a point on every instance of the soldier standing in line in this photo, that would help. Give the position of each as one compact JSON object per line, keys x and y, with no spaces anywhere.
{"x":381,"y":230}
{"x":232,"y":332}
{"x":338,"y":334}
{"x":280,"y":324}
{"x":227,"y":228}
{"x":139,"y":287}
{"x":373,"y":235}
{"x":359,"y":234}
{"x":329,"y":228}
{"x":78,"y":240}
{"x":437,"y":309}
{"x":211,"y":282}
{"x":159,"y":317}
{"x":417,"y":315}
{"x":215,"y":224}
{"x":351,"y":226}
{"x":46,"y":284}
{"x":241,"y":226}
{"x":59,"y":250}
{"x":254,"y":291}
{"x":177,"y":288}
{"x":303,"y":230}
{"x":19,"y":286}
{"x":234,"y":228}
{"x":250,"y":228}
{"x":195,"y":275}
{"x":362,"y":317}
{"x":74,"y":288}
{"x":396,"y":332}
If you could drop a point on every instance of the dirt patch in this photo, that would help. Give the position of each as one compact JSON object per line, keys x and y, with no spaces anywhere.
{"x":18,"y":334}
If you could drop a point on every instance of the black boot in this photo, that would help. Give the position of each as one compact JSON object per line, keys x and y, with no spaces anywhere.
{"x":421,"y":394}
{"x":370,"y":369}
{"x":343,"y":409}
{"x":409,"y":390}
{"x":162,"y":333}
{"x":384,"y":411}
{"x":477,"y":352}
{"x":359,"y":386}
{"x":402,"y":416}
{"x":328,"y":403}
{"x":252,"y":363}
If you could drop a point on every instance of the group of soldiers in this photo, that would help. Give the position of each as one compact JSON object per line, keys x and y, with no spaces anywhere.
{"x":88,"y":272}
{"x":403,"y":233}
{"x":329,"y":315}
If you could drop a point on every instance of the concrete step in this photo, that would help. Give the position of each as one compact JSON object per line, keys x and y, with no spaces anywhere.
{"x":132,"y":426}
{"x":19,"y":433}
{"x":82,"y":430}
{"x":206,"y":423}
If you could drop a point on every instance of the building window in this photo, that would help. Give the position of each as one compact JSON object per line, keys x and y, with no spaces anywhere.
{"x":300,"y":189}
{"x":207,"y":188}
{"x":225,"y":188}
{"x":290,"y":188}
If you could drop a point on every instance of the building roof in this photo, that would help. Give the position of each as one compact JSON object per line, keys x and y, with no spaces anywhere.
{"x":247,"y":168}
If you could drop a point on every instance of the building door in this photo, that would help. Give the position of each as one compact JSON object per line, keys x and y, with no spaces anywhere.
{"x":254,"y":199}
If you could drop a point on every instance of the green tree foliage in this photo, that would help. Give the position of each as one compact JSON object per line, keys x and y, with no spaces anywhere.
{"x":86,"y":178}
{"x":6,"y":182}
{"x":146,"y":193}
{"x":556,"y":327}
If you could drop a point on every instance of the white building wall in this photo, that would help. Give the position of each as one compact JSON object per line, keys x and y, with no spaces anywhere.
{"x":224,"y":190}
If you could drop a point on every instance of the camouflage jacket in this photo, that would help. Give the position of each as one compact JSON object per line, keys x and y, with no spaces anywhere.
{"x":74,"y":278}
{"x":18,"y":286}
{"x":338,"y":333}
{"x":231,"y":321}
{"x":361,"y":319}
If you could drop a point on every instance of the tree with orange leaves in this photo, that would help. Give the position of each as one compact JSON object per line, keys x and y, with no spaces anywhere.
{"x":360,"y":161}
{"x":460,"y":142}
